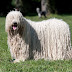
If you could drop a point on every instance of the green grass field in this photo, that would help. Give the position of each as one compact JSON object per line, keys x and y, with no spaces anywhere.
{"x":31,"y":65}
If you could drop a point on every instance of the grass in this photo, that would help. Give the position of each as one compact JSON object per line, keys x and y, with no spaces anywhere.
{"x":31,"y":65}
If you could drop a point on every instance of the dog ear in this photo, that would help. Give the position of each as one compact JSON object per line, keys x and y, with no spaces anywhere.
{"x":21,"y":30}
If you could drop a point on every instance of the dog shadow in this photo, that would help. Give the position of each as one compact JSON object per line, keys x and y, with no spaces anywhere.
{"x":31,"y":38}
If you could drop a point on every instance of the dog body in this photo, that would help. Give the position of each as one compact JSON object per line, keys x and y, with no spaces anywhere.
{"x":48,"y":39}
{"x":41,"y":13}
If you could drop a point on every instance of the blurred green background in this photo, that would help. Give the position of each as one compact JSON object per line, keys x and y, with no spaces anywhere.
{"x":28,"y":7}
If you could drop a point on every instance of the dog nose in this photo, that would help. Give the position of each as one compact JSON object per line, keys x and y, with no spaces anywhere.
{"x":15,"y":23}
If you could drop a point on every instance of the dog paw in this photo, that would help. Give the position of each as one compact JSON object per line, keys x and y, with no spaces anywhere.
{"x":15,"y":61}
{"x":18,"y":60}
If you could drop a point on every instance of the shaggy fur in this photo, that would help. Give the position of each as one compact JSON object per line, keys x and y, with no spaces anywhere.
{"x":48,"y":39}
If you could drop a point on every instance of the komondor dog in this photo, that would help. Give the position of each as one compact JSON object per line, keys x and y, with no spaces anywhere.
{"x":48,"y":39}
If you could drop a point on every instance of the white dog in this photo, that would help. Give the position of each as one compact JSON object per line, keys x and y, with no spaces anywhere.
{"x":48,"y":39}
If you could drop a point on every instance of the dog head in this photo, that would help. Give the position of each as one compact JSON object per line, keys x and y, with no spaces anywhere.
{"x":14,"y":20}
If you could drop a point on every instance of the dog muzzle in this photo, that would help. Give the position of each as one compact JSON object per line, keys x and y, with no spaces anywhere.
{"x":14,"y":26}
